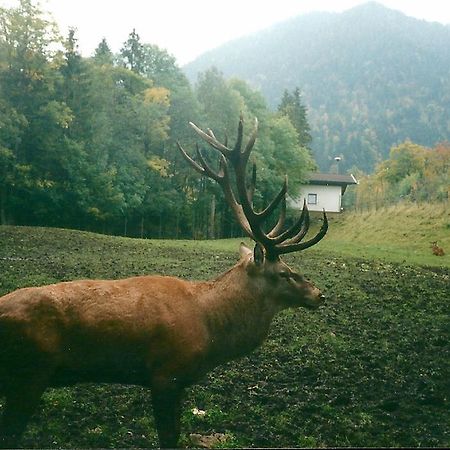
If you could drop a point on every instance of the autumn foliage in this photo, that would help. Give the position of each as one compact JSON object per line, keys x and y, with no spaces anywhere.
{"x":412,"y":172}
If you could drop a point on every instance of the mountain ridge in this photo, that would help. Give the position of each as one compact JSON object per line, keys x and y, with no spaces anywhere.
{"x":371,"y":77}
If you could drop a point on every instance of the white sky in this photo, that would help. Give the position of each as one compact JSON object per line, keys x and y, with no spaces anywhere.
{"x":187,"y":28}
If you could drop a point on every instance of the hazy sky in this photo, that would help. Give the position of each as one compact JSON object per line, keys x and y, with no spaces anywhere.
{"x":187,"y":28}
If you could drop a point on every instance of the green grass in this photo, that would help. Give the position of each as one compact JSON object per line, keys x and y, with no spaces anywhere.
{"x":371,"y":368}
{"x":400,"y":233}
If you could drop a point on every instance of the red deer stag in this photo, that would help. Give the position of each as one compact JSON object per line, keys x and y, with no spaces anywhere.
{"x":438,"y":251}
{"x":160,"y":332}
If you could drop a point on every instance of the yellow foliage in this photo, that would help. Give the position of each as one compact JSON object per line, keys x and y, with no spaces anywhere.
{"x":412,"y":173}
{"x":45,"y":184}
{"x":96,"y":213}
{"x":159,"y":165}
{"x":158,"y":95}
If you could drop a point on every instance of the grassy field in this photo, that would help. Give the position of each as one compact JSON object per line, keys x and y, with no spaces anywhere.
{"x":371,"y":368}
{"x":401,"y":233}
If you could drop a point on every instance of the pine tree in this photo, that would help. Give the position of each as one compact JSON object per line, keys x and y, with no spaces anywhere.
{"x":133,"y":53}
{"x":103,"y":54}
{"x":291,"y":106}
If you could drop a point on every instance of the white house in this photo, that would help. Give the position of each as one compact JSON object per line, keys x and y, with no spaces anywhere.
{"x":324,"y":190}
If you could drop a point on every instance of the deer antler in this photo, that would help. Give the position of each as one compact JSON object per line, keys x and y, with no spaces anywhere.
{"x":276,"y":241}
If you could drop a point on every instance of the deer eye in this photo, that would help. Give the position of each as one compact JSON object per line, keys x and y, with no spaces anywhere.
{"x":285,"y":275}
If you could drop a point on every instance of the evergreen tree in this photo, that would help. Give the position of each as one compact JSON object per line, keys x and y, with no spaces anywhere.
{"x":103,"y":54}
{"x":220,"y":103}
{"x":75,"y":79}
{"x":291,"y":106}
{"x":133,"y":53}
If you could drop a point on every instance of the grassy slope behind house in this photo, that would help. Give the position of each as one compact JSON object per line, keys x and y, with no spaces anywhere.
{"x":400,"y":233}
{"x":371,"y":368}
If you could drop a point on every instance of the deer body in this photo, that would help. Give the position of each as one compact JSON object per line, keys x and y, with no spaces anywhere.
{"x":438,"y":251}
{"x":159,"y":332}
{"x":111,"y":326}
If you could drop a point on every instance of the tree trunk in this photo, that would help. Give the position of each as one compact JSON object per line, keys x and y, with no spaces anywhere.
{"x":2,"y":207}
{"x":142,"y":227}
{"x":193,"y":221}
{"x":177,"y":224}
{"x":212,"y":217}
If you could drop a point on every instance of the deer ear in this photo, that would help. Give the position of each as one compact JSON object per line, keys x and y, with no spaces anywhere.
{"x":244,"y":251}
{"x":258,"y":254}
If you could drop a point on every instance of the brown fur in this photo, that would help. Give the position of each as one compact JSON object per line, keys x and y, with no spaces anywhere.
{"x":159,"y":332}
{"x":438,"y":251}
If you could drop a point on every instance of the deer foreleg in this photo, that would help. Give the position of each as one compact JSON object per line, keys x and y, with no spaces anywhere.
{"x":21,"y":401}
{"x":167,"y":413}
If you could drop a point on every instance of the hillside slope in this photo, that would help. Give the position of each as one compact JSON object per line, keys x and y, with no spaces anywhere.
{"x":371,"y":78}
{"x":399,"y":233}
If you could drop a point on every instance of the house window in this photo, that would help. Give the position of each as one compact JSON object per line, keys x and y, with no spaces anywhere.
{"x":312,"y":199}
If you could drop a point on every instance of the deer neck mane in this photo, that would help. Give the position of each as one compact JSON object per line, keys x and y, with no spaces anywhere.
{"x":237,"y":312}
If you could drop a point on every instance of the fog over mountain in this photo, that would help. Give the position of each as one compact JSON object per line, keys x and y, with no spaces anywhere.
{"x":371,"y":77}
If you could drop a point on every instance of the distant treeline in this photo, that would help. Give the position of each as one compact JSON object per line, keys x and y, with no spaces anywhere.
{"x":90,"y":143}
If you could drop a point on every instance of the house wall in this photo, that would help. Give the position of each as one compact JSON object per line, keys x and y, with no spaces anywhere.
{"x":328,"y":197}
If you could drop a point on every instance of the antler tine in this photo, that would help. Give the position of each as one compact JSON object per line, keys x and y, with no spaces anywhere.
{"x":235,"y":155}
{"x":251,"y":142}
{"x":204,"y":168}
{"x":211,"y":133}
{"x":276,"y":230}
{"x":207,"y":168}
{"x":304,"y":245}
{"x":274,"y":203}
{"x":297,"y":232}
{"x":211,"y":140}
{"x":251,"y":189}
{"x":302,"y":223}
{"x":193,"y":163}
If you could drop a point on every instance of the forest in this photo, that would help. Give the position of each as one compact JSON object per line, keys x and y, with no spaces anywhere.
{"x":90,"y":143}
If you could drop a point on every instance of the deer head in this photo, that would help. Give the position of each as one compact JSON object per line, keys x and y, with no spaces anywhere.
{"x":265,"y":263}
{"x":277,"y":280}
